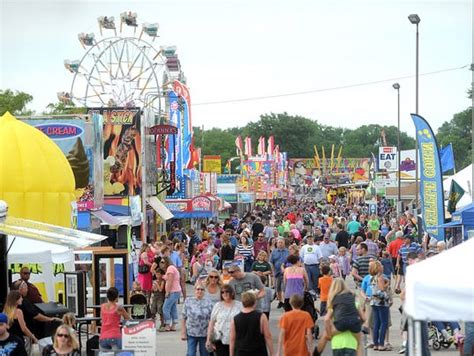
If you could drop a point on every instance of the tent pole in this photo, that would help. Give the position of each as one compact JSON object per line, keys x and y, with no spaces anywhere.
{"x":3,"y":269}
{"x":411,"y":337}
{"x":418,"y":339}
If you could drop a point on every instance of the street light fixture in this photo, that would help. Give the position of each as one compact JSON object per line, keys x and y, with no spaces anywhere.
{"x":396,"y":86}
{"x":415,"y":20}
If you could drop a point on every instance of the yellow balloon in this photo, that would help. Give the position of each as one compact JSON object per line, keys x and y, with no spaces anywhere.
{"x":36,"y":179}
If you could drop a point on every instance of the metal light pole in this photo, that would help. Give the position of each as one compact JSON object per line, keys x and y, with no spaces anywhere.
{"x":415,"y":20}
{"x":396,"y":86}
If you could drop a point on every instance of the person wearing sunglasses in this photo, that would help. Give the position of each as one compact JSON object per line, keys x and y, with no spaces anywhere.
{"x":213,"y":284}
{"x":64,"y":343}
{"x":218,"y":332}
{"x":34,"y":296}
{"x":196,"y":314}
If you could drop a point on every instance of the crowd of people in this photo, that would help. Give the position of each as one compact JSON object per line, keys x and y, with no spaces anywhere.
{"x":333,"y":261}
{"x":347,"y":261}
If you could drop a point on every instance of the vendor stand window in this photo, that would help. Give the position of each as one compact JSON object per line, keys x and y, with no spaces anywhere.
{"x":105,"y":267}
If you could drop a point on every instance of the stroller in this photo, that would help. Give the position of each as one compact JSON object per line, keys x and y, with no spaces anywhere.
{"x":438,"y":340}
{"x":308,"y":306}
{"x":140,"y":307}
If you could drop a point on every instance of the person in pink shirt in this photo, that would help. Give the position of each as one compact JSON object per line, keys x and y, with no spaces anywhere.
{"x":296,"y":232}
{"x":110,"y":334}
{"x":172,"y":294}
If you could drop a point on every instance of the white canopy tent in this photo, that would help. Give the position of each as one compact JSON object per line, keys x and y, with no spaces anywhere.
{"x":441,"y":288}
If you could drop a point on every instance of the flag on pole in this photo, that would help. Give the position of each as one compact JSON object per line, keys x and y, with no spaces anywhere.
{"x":248,"y":146}
{"x":455,"y":194}
{"x":447,"y":158}
{"x":276,"y":153}
{"x":332,"y":157}
{"x":239,"y":145}
{"x":271,"y":146}
{"x":261,"y":146}
{"x":317,"y":162}
{"x":324,"y":160}
{"x":339,"y":157}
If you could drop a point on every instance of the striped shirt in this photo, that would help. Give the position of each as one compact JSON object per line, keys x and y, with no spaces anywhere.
{"x":405,"y":250}
{"x":246,"y":251}
{"x":361,"y":264}
{"x":372,"y":248}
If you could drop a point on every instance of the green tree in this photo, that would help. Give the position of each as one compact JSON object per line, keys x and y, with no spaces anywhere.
{"x":458,"y":131}
{"x":14,"y":102}
{"x":60,"y":108}
{"x":295,"y":134}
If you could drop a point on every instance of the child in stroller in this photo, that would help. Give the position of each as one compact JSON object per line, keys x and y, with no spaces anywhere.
{"x":444,"y":334}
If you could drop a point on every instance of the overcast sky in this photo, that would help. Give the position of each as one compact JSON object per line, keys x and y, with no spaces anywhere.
{"x":233,"y":49}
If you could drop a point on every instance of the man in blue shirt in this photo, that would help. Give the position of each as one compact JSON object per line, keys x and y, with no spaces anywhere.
{"x":407,"y":247}
{"x":277,"y":259}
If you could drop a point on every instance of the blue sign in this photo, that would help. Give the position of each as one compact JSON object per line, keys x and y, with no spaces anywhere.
{"x":227,"y":178}
{"x":431,"y":179}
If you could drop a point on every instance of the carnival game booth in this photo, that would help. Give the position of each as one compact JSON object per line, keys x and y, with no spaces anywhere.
{"x":435,"y":292}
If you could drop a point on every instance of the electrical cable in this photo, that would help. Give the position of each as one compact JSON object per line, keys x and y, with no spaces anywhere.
{"x":255,"y":98}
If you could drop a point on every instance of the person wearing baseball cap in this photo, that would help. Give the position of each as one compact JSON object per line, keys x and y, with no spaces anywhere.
{"x":10,"y":345}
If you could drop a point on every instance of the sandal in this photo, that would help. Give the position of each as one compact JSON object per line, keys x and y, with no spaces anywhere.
{"x":163,"y":329}
{"x":173,"y":328}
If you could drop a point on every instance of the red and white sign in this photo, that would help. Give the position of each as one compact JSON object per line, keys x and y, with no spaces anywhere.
{"x":201,"y":204}
{"x":388,"y":158}
{"x":140,"y":336}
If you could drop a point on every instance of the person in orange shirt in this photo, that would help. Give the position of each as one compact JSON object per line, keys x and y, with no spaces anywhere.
{"x":295,"y":330}
{"x":324,"y":284}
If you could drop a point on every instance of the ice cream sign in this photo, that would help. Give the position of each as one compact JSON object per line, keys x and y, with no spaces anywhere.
{"x":201,"y":204}
{"x":60,"y":131}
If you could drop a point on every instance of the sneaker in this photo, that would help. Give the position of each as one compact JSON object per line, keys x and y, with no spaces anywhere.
{"x":402,"y":349}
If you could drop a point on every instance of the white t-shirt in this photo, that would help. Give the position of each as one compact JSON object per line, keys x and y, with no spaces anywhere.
{"x":311,"y":254}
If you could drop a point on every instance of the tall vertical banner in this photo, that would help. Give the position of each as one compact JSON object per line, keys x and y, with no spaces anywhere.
{"x":175,"y":120}
{"x":431,"y":179}
{"x":187,"y":135}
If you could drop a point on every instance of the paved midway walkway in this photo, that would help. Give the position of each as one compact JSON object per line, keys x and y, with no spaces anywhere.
{"x":170,"y":343}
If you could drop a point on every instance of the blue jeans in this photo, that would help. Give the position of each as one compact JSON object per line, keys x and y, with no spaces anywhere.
{"x":313,"y":275}
{"x":170,"y":311}
{"x":193,"y":342}
{"x":248,"y":263}
{"x":441,"y":325}
{"x":380,"y":314}
{"x":110,"y":344}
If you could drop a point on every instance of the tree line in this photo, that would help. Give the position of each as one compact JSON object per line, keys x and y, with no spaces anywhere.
{"x":295,"y":134}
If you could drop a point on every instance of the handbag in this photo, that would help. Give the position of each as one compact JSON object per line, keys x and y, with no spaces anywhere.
{"x":143,"y":268}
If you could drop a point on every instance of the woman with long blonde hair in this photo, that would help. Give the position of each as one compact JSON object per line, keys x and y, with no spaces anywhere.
{"x":342,"y":312}
{"x":65,"y":343}
{"x":16,"y":321}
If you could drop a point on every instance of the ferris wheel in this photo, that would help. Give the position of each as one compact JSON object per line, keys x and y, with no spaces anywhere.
{"x":124,"y":69}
